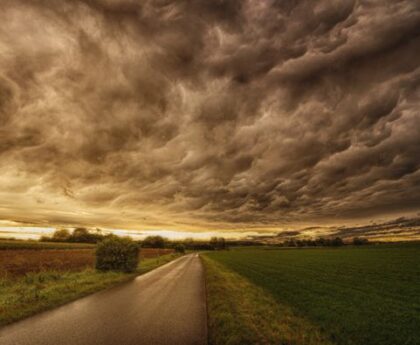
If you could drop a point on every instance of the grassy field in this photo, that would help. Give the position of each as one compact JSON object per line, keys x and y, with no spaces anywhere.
{"x":241,"y":313}
{"x":20,"y":257}
{"x":367,"y":295}
{"x":22,"y":296}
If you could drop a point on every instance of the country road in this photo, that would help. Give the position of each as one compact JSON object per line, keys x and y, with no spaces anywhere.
{"x":165,"y":306}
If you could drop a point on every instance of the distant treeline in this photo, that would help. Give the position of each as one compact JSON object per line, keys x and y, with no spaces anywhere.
{"x":83,"y":235}
{"x":324,"y":242}
{"x":78,"y":235}
{"x":215,"y":243}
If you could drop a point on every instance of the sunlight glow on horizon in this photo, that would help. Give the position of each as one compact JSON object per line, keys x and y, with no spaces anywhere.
{"x":35,"y":233}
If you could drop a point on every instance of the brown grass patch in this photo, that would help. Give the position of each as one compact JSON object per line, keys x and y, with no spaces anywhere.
{"x":21,"y":261}
{"x":147,"y":253}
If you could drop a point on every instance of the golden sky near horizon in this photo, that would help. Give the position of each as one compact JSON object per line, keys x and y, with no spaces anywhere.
{"x":202,"y":116}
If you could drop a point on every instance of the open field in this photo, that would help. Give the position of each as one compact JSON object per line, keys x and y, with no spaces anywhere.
{"x":241,"y":313}
{"x":22,"y":261}
{"x":20,"y":244}
{"x":147,"y":253}
{"x":34,"y":292}
{"x":17,"y":261}
{"x":367,"y":295}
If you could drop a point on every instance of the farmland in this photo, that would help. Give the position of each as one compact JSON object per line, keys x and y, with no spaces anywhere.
{"x":368,"y":295}
{"x":17,"y":244}
{"x":20,"y":257}
{"x":22,"y":261}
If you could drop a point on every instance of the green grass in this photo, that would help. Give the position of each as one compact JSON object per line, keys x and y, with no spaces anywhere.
{"x":241,"y":313}
{"x":18,"y":244}
{"x":35,"y":292}
{"x":365,"y":296}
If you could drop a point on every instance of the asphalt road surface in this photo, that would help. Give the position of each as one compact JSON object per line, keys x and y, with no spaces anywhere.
{"x":164,"y":306}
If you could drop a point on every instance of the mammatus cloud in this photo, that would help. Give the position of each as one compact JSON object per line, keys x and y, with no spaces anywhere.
{"x":399,"y":229}
{"x":208,"y":114}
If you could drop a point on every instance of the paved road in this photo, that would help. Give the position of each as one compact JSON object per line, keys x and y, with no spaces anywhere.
{"x":165,"y":306}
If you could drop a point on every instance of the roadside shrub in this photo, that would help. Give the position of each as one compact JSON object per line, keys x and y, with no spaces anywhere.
{"x":179,"y":248}
{"x":117,"y":254}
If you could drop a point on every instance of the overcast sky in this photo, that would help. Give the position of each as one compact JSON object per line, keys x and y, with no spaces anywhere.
{"x":208,"y":115}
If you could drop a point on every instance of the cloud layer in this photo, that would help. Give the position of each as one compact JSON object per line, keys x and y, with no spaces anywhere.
{"x":208,"y":114}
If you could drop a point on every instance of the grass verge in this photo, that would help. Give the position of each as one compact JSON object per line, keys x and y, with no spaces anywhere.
{"x":239,"y":312}
{"x":36,"y":292}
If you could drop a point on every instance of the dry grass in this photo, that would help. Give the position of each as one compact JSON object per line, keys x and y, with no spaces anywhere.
{"x":147,"y":253}
{"x":37,"y":245}
{"x":18,"y":262}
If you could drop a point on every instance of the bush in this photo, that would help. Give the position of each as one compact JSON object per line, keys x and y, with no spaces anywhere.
{"x":117,"y":254}
{"x":179,"y":248}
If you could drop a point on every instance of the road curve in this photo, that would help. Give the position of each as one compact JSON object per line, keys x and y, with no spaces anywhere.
{"x":164,"y":306}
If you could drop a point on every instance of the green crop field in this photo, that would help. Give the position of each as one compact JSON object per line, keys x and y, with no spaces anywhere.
{"x":354,"y":295}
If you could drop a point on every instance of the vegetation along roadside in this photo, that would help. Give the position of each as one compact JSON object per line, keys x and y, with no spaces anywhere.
{"x":22,"y":296}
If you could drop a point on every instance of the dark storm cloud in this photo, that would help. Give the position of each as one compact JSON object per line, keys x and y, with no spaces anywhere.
{"x":402,"y":228}
{"x":399,"y":226}
{"x":222,"y":114}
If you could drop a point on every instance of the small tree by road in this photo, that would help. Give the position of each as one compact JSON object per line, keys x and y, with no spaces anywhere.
{"x":117,"y":254}
{"x":179,"y":248}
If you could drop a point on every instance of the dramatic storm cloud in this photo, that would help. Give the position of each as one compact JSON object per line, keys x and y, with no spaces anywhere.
{"x":205,"y":114}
